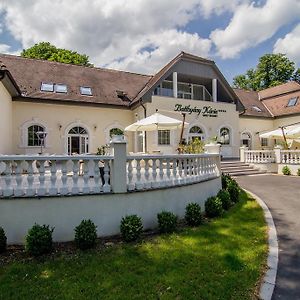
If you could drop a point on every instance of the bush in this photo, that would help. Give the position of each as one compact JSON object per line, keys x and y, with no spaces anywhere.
{"x":234,"y":191}
{"x":226,"y":179}
{"x":85,"y":235}
{"x":167,"y":222}
{"x":39,"y":240}
{"x":224,"y":196}
{"x":286,"y":170}
{"x":298,"y":172}
{"x":193,"y":215}
{"x":131,"y":228}
{"x":213,"y":207}
{"x":3,"y":240}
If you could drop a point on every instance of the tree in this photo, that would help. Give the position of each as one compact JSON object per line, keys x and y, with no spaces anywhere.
{"x":46,"y":51}
{"x":272,"y":69}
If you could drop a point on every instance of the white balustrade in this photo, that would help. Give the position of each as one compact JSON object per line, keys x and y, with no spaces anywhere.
{"x":30,"y":176}
{"x":259,"y":156}
{"x":290,"y":157}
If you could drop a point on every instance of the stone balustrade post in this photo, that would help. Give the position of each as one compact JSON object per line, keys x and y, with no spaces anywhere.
{"x":242,"y":153}
{"x":277,"y":152}
{"x":118,"y":172}
{"x":214,"y":148}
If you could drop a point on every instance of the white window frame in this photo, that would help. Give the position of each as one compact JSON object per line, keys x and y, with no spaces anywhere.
{"x":229,"y":133}
{"x":166,"y":141}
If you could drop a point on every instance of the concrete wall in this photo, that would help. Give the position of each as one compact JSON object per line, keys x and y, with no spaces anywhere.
{"x":58,"y":118}
{"x":65,"y":213}
{"x":5,"y":121}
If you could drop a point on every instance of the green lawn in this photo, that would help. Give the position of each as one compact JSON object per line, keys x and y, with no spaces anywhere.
{"x":223,"y":259}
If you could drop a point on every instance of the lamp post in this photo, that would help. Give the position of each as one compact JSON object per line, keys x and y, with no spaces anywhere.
{"x":41,"y":135}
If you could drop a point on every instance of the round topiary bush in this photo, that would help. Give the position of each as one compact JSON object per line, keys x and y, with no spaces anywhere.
{"x":86,"y":235}
{"x":213,"y":207}
{"x":224,"y":196}
{"x":226,"y":178}
{"x":286,"y":170}
{"x":234,"y":191}
{"x":131,"y":228}
{"x":39,"y":240}
{"x":193,"y":214}
{"x":3,"y":240}
{"x":167,"y":222}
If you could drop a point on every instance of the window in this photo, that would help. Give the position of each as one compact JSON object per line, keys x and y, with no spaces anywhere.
{"x":196,"y":132}
{"x":61,"y":88}
{"x":292,"y":102}
{"x":85,"y":90}
{"x":256,"y":108}
{"x":77,"y":130}
{"x":116,"y":131}
{"x":224,"y":136}
{"x":34,"y":138}
{"x":163,"y":137}
{"x":47,"y":87}
{"x":246,"y":139}
{"x":264,"y":142}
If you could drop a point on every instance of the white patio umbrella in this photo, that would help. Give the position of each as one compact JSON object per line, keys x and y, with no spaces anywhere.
{"x":156,"y":121}
{"x":289,"y":132}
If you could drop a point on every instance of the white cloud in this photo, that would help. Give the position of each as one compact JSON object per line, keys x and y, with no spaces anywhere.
{"x":114,"y":33}
{"x":251,"y":25}
{"x":4,"y":48}
{"x":290,"y":45}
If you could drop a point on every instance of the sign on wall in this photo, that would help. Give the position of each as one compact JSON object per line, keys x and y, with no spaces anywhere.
{"x":205,"y":111}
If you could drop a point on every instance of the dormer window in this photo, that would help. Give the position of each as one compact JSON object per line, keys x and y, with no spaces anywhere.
{"x":61,"y":88}
{"x":47,"y":87}
{"x":292,"y":102}
{"x":256,"y":108}
{"x":86,"y":91}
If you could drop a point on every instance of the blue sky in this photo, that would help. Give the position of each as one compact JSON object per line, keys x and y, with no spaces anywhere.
{"x":142,"y":35}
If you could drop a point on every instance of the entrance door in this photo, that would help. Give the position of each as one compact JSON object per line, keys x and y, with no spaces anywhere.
{"x":78,"y":141}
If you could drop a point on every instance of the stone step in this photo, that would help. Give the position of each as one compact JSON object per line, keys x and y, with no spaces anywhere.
{"x":235,"y":167}
{"x":253,"y":172}
{"x":239,"y":170}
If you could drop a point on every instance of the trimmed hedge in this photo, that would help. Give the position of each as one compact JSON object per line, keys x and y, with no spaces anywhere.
{"x":131,"y":228}
{"x":213,"y":207}
{"x":86,"y":235}
{"x":224,"y":196}
{"x":167,"y":222}
{"x":234,"y":191}
{"x":193,"y":214}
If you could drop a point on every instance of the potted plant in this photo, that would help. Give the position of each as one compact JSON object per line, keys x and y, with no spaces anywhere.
{"x":117,"y":135}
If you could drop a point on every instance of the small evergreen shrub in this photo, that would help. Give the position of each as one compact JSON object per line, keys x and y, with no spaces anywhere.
{"x":225,"y":180}
{"x":234,"y":191}
{"x":224,"y":196}
{"x":131,"y":228}
{"x":167,"y":222}
{"x":286,"y":170}
{"x":86,"y":235}
{"x":193,"y":214}
{"x":3,"y":240}
{"x":298,"y":172}
{"x":213,"y":207}
{"x":39,"y":240}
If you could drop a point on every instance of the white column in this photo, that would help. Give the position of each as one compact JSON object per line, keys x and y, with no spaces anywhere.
{"x":242,"y":153}
{"x":214,"y":90}
{"x":175,"y":84}
{"x":118,"y":174}
{"x":277,"y":152}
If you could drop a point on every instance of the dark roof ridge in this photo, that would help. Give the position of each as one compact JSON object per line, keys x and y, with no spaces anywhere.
{"x":73,"y":65}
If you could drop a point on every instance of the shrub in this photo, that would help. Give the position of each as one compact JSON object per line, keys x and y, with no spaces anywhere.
{"x":225,"y":179}
{"x":224,"y":196}
{"x":298,"y":172}
{"x":167,"y":221}
{"x":193,"y":215}
{"x":234,"y":191}
{"x":39,"y":240}
{"x":213,"y":207}
{"x":3,"y":240}
{"x":286,"y":170}
{"x":131,"y":228}
{"x":85,"y":235}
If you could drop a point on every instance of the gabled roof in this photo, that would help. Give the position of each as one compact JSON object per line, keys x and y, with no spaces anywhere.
{"x":9,"y":82}
{"x":181,"y":56}
{"x":281,"y":89}
{"x":30,"y":73}
{"x":250,"y":100}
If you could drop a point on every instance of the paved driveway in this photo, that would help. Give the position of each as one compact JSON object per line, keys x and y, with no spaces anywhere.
{"x":282,"y":195}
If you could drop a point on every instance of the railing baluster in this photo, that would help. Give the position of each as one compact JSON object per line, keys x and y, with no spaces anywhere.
{"x":19,"y":189}
{"x":130,"y":185}
{"x":53,"y":178}
{"x":30,"y":179}
{"x":106,"y":186}
{"x":139,"y":185}
{"x":8,"y":190}
{"x":41,"y":191}
{"x":75,"y":177}
{"x":97,"y":187}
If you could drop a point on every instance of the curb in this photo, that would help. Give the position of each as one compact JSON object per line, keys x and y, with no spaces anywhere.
{"x":269,"y":280}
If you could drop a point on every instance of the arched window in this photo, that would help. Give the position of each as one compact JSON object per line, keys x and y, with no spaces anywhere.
{"x":225,"y":136}
{"x":196,"y":132}
{"x":116,"y":131}
{"x":34,"y":135}
{"x":78,"y":140}
{"x":246,"y":139}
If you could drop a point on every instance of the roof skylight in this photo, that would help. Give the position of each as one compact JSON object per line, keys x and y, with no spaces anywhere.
{"x":292,"y":102}
{"x":61,"y":88}
{"x":47,"y":87}
{"x":86,"y":90}
{"x":256,"y":108}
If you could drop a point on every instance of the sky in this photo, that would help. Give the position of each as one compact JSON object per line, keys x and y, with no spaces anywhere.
{"x":142,"y":35}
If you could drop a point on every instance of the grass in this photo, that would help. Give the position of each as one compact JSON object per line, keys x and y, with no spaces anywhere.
{"x":222,"y":259}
